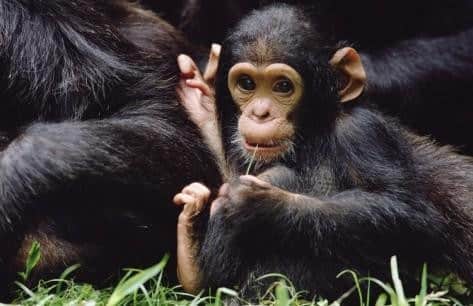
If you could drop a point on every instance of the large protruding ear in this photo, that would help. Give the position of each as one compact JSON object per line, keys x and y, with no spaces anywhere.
{"x":348,"y":62}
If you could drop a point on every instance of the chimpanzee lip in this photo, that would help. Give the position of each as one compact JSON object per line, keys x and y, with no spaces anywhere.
{"x":267,"y":146}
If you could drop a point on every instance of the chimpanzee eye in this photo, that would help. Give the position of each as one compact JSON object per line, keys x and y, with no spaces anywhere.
{"x":246,"y":83}
{"x":283,"y":86}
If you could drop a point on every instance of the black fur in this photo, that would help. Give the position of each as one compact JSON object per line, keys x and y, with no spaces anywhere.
{"x":368,"y":188}
{"x":203,"y":21}
{"x":417,"y":53}
{"x":94,"y":141}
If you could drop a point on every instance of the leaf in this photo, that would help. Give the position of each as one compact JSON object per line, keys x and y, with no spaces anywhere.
{"x":282,"y":294}
{"x":134,"y":283}
{"x":357,"y":284}
{"x":226,"y":291}
{"x":401,"y":298}
{"x":381,"y":301}
{"x":34,"y":255}
{"x":25,"y":289}
{"x":420,"y":300}
{"x":64,"y":275}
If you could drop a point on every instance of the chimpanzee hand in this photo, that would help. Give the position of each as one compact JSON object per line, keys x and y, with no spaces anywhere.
{"x":194,"y":199}
{"x":196,"y":92}
{"x":197,"y":95}
{"x":248,"y":194}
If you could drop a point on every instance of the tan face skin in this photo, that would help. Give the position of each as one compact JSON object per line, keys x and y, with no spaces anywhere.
{"x":267,"y":96}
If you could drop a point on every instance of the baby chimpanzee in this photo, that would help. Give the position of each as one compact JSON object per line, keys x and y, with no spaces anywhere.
{"x":337,"y":185}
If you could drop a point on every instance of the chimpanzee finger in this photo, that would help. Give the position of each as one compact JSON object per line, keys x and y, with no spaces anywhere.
{"x":199,"y":84}
{"x":183,"y":199}
{"x":186,"y":66}
{"x":216,"y":204}
{"x":212,"y":65}
{"x":200,"y":193}
{"x":224,"y":190}
{"x":197,"y":190}
{"x":253,"y":181}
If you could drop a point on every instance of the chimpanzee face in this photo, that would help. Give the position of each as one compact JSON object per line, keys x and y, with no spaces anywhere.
{"x":266,"y":96}
{"x":275,"y":67}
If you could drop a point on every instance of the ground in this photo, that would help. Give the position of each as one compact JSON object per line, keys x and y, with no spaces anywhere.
{"x":146,"y":287}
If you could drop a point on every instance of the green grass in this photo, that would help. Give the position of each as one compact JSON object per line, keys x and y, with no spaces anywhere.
{"x":146,"y":287}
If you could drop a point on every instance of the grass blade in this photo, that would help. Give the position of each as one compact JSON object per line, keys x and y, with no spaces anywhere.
{"x":401,"y":298}
{"x":222,"y":291}
{"x":420,"y":300}
{"x":282,"y":294}
{"x":34,"y":255}
{"x":251,"y":161}
{"x":382,"y":299}
{"x":357,"y":284}
{"x":134,"y":282}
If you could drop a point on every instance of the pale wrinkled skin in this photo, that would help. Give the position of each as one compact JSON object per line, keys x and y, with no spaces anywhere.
{"x":196,"y":92}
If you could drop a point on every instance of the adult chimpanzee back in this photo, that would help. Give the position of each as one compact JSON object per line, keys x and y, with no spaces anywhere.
{"x":94,"y":141}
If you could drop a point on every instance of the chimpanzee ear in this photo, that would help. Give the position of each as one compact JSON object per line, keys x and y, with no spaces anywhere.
{"x":348,"y":62}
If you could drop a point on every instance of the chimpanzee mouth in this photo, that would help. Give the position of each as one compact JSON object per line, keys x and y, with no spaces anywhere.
{"x":266,"y":147}
{"x":259,"y":152}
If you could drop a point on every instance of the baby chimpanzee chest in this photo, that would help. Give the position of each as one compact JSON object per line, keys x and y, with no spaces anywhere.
{"x":320,"y":182}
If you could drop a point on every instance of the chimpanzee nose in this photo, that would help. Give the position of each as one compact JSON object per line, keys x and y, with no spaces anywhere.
{"x":261,"y":116}
{"x":261,"y":111}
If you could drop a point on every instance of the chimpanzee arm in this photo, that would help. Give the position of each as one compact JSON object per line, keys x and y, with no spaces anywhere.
{"x":137,"y":148}
{"x":409,"y":67}
{"x":261,"y":230}
{"x":66,"y":60}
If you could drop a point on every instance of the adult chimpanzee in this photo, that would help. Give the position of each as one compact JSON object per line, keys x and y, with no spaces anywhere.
{"x":203,"y":21}
{"x":338,"y":186}
{"x":417,"y":54}
{"x":94,"y":140}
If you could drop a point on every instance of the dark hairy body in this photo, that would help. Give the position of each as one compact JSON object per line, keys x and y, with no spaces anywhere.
{"x":94,"y":140}
{"x":417,"y":54}
{"x":336,"y":184}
